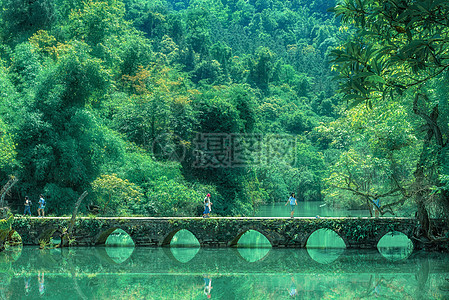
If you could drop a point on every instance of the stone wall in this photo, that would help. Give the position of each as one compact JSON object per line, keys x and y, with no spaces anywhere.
{"x":214,"y":232}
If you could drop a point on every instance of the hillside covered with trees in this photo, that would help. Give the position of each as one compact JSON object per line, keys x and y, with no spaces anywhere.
{"x":149,"y":105}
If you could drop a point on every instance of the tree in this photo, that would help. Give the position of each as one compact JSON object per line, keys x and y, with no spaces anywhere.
{"x":101,"y":25}
{"x":169,"y":197}
{"x":56,"y":137}
{"x":397,"y":45}
{"x":260,"y":69}
{"x":8,"y":98}
{"x":398,"y":49}
{"x":7,"y":148}
{"x":158,"y":105}
{"x":220,"y":115}
{"x":110,"y":86}
{"x":116,"y":192}
{"x":198,"y":34}
{"x":136,"y":53}
{"x":20,"y":18}
{"x":26,"y":65}
{"x":376,"y":156}
{"x":97,"y":21}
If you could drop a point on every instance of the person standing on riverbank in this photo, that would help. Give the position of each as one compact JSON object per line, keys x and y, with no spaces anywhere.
{"x":293,"y":204}
{"x":27,"y":206}
{"x":41,"y":208}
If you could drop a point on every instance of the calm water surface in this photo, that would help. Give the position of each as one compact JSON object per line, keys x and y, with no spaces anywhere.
{"x":313,"y":209}
{"x":192,"y":273}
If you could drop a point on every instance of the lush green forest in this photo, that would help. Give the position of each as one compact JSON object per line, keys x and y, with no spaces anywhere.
{"x":149,"y":105}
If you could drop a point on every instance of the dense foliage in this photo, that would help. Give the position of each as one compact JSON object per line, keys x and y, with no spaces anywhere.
{"x":396,"y":63}
{"x":114,"y":96}
{"x":151,"y":105}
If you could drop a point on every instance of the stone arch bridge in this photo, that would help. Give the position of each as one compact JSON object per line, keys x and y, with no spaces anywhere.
{"x":214,"y":232}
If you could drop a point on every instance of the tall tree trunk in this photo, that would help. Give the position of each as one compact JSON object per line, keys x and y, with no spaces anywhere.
{"x":11,"y":182}
{"x":68,"y":234}
{"x":421,"y":184}
{"x":422,"y":189}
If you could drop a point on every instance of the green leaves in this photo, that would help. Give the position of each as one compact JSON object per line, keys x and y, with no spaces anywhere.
{"x":169,"y":197}
{"x":407,"y":45}
{"x":98,"y":86}
{"x":7,"y":147}
{"x":116,"y":195}
{"x":21,"y":18}
{"x":379,"y":152}
{"x":361,"y":72}
{"x":97,"y":21}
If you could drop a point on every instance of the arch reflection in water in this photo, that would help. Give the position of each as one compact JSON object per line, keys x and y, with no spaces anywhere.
{"x":395,"y":246}
{"x":253,"y":254}
{"x":13,"y":247}
{"x":10,"y":254}
{"x":325,"y":246}
{"x":253,"y":246}
{"x":119,"y":246}
{"x":184,"y":255}
{"x":14,"y":240}
{"x":119,"y":254}
{"x":184,"y":246}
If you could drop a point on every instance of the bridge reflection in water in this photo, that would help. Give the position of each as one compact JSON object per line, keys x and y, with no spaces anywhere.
{"x":163,"y":260}
{"x":160,"y":273}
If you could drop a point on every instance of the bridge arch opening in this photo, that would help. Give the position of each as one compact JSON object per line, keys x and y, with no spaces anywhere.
{"x":395,"y":246}
{"x":184,"y":238}
{"x":51,"y":237}
{"x":46,"y":235}
{"x":119,"y":238}
{"x":251,"y":239}
{"x":325,"y":246}
{"x":55,"y":238}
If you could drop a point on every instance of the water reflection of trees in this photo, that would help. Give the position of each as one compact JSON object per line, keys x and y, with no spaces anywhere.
{"x":161,"y":260}
{"x":90,"y":272}
{"x":395,"y":246}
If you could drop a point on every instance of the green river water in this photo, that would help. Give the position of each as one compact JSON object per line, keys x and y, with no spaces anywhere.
{"x":323,"y":270}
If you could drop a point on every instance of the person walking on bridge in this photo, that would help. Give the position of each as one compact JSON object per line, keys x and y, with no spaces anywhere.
{"x":207,"y":206}
{"x":41,"y":208}
{"x":27,"y":206}
{"x":293,"y":203}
